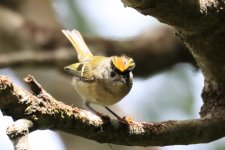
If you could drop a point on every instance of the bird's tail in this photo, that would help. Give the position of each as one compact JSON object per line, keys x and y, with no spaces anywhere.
{"x":80,"y":46}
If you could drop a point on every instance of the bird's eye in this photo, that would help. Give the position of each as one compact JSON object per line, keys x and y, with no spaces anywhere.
{"x":112,"y":74}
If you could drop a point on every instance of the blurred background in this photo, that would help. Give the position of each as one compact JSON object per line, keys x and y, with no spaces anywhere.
{"x":167,"y":83}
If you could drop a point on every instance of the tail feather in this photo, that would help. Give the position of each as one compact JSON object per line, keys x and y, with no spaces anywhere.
{"x":80,"y":46}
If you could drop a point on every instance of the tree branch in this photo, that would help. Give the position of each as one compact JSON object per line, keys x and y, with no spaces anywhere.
{"x":181,"y":14}
{"x":54,"y":58}
{"x":18,"y":134}
{"x":153,"y":51}
{"x":44,"y":111}
{"x":150,"y":58}
{"x":201,"y":26}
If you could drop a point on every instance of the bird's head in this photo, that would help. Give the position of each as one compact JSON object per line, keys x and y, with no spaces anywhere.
{"x":122,"y":64}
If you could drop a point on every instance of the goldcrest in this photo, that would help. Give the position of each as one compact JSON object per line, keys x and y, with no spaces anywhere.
{"x":99,"y":80}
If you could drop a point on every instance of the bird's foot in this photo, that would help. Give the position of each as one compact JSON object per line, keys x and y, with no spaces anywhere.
{"x":127,"y":120}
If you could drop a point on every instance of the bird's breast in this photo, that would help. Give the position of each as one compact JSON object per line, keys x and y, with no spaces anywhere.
{"x":101,"y":92}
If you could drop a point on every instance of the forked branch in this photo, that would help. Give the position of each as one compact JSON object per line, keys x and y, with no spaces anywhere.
{"x":47,"y":113}
{"x":18,"y":134}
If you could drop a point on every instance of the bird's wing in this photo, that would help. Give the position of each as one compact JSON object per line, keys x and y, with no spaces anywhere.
{"x":83,"y":52}
{"x":83,"y":71}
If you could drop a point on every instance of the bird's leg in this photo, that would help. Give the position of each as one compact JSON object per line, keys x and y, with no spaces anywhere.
{"x":126,"y":120}
{"x":114,"y":114}
{"x":87,"y":105}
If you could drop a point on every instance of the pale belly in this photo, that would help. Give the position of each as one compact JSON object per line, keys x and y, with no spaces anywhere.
{"x":100,"y":93}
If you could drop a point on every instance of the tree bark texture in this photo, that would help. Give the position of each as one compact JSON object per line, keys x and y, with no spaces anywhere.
{"x":47,"y":113}
{"x":200,"y":25}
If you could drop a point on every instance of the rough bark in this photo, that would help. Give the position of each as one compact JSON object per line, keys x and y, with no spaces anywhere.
{"x":201,"y":26}
{"x":44,"y":111}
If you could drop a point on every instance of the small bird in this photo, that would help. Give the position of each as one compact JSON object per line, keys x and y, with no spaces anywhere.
{"x":99,"y":80}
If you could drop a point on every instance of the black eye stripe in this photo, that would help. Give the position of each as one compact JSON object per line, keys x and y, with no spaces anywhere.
{"x":112,"y":74}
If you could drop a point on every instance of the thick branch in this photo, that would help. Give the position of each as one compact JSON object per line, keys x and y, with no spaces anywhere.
{"x":18,"y":134}
{"x":183,"y":14}
{"x":169,"y":12}
{"x":47,"y":113}
{"x":199,"y":23}
{"x":201,"y":26}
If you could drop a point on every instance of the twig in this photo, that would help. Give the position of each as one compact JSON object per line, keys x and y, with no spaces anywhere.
{"x":56,"y":58}
{"x":47,"y":113}
{"x":18,"y":134}
{"x":34,"y":85}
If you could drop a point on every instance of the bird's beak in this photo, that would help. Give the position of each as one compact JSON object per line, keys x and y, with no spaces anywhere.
{"x":121,"y":79}
{"x":70,"y":69}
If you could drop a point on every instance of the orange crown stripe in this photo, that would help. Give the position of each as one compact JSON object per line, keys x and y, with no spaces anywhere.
{"x":122,"y":63}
